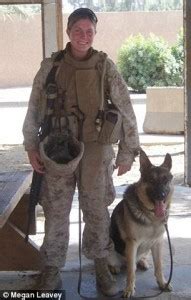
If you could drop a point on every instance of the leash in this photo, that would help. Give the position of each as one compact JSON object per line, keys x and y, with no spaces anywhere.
{"x":120,"y":295}
{"x":80,"y":251}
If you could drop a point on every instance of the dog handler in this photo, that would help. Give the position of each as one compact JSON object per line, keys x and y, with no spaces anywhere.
{"x":90,"y":106}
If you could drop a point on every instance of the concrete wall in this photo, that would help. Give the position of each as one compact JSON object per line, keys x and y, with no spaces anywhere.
{"x":21,"y":40}
{"x":20,"y":50}
{"x":164,"y":110}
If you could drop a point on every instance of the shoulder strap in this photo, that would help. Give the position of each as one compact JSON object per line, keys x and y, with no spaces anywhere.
{"x":57,"y":57}
{"x":51,"y":95}
{"x":100,"y":114}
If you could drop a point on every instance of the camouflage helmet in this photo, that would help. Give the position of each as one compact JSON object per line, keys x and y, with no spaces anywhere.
{"x":61,"y":154}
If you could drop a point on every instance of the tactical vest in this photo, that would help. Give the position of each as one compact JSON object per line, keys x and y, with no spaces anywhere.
{"x":81,"y":97}
{"x":80,"y":84}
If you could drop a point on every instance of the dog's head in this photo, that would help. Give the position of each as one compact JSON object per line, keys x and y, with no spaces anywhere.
{"x":157,"y":182}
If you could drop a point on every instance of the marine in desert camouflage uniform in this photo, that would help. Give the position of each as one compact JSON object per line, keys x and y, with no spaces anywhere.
{"x":78,"y":79}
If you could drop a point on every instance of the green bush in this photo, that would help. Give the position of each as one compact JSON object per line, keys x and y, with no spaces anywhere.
{"x":178,"y":52}
{"x":147,"y":62}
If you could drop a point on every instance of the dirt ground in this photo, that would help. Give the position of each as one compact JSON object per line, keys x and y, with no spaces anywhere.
{"x":13,"y":157}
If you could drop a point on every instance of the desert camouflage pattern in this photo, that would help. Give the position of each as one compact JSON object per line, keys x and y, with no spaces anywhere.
{"x":96,"y":192}
{"x":129,"y":144}
{"x":93,"y":176}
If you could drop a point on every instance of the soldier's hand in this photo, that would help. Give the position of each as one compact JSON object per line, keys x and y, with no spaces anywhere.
{"x":122,"y":169}
{"x":35,"y":161}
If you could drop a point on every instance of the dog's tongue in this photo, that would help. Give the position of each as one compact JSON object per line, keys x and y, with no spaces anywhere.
{"x":160,"y":209}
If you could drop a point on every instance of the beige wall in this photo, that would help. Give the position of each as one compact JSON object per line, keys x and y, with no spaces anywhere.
{"x":21,"y":42}
{"x":20,"y":50}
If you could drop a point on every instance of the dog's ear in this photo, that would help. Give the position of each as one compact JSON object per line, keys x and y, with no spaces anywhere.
{"x":167,"y":162}
{"x":144,"y":161}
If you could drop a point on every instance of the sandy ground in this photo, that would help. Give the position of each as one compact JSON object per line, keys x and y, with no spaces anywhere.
{"x":13,"y":157}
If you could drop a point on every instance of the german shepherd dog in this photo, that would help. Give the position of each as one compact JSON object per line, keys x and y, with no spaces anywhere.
{"x":137,"y":222}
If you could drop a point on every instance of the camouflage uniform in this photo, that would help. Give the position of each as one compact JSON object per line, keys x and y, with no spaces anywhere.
{"x":93,"y":176}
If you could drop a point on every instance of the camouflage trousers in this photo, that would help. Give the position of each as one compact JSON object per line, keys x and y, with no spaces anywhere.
{"x":96,"y":192}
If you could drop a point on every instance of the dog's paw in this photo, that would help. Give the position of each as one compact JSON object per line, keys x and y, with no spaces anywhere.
{"x":168,"y":288}
{"x":128,"y":292}
{"x":114,"y":269}
{"x":164,"y":287}
{"x":143,"y":264}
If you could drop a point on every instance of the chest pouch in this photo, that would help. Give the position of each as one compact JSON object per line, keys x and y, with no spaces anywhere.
{"x":111,"y":128}
{"x":108,"y":121}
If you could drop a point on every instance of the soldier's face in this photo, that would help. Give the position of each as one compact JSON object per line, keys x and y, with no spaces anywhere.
{"x":81,"y":36}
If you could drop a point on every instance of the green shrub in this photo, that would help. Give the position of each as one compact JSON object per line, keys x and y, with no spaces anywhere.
{"x":147,"y":62}
{"x":178,"y":52}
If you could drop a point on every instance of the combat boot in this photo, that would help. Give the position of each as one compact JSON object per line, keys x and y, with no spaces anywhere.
{"x":49,"y":279}
{"x":105,"y":281}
